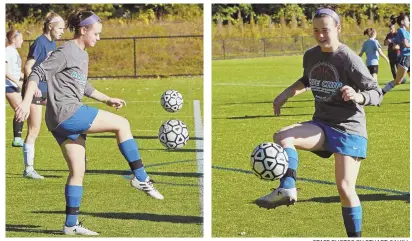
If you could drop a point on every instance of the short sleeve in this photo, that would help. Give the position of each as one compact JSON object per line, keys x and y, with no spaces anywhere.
{"x":34,"y":51}
{"x":88,"y":90}
{"x":304,"y":79}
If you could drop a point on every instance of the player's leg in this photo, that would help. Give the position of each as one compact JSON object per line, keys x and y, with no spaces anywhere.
{"x":108,"y":122}
{"x":33,"y":130}
{"x":403,"y":66}
{"x":14,"y":99}
{"x":346,"y":173}
{"x":304,"y":136}
{"x":74,"y":153}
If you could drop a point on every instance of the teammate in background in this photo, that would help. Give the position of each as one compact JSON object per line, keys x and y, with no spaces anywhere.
{"x":69,"y":120}
{"x":393,"y":49}
{"x":14,"y":40}
{"x":372,"y":48}
{"x":53,"y":29}
{"x":403,"y":40}
{"x":341,"y":85}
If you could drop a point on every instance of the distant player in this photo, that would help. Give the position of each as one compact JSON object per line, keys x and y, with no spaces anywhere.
{"x":341,"y":85}
{"x":14,"y":40}
{"x":53,"y":28}
{"x":403,"y":40}
{"x":69,"y":120}
{"x":373,"y":49}
{"x":393,"y":49}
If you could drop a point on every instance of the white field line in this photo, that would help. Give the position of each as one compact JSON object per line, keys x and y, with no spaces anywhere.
{"x":199,"y":146}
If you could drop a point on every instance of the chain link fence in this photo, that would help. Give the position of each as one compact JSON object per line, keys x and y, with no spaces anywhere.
{"x":142,"y":57}
{"x":246,"y":47}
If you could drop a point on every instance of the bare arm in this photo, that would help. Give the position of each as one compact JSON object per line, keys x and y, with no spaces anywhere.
{"x":112,"y":102}
{"x":28,"y":67}
{"x":295,"y":89}
{"x":99,"y":96}
{"x":361,"y":53}
{"x":383,"y":55}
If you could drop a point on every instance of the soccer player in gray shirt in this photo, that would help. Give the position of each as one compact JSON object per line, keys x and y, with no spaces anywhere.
{"x":65,"y":72}
{"x":341,"y":85}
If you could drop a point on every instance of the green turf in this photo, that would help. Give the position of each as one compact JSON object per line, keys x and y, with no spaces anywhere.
{"x":243,"y":118}
{"x":35,"y":208}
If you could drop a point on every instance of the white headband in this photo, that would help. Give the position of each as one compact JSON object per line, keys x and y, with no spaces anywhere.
{"x":56,"y":19}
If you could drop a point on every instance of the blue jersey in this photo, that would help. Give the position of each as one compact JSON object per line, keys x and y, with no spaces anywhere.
{"x":40,"y":49}
{"x":370,"y":47}
{"x":400,"y":36}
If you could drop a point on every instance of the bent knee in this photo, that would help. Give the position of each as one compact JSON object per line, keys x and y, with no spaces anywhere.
{"x":282,"y":138}
{"x":123,"y":124}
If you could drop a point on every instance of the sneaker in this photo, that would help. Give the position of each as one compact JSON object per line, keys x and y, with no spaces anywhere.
{"x":78,"y":229}
{"x":278,"y":197}
{"x":32,"y":174}
{"x":147,"y":187}
{"x":17,"y":143}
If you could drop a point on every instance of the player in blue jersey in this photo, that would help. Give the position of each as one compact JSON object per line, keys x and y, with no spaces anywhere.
{"x":341,"y":85}
{"x":373,"y":49}
{"x":66,"y":72}
{"x":403,"y":40}
{"x":53,"y":29}
{"x":14,"y":40}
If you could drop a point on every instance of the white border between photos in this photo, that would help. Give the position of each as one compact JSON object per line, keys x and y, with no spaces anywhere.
{"x":207,"y":115}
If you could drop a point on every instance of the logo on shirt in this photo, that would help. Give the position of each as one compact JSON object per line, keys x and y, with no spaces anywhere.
{"x":324,"y":81}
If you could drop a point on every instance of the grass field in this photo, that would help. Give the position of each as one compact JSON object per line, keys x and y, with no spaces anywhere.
{"x":35,"y":208}
{"x":243,"y":91}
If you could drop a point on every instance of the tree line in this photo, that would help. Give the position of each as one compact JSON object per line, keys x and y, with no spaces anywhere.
{"x":17,"y":13}
{"x":298,"y":14}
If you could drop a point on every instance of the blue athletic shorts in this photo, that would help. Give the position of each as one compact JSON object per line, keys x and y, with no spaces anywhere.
{"x":10,"y":88}
{"x":76,"y":125}
{"x":338,"y":141}
{"x":403,"y":61}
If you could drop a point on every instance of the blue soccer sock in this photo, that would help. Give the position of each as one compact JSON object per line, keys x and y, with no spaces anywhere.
{"x":73,"y":196}
{"x":130,"y":151}
{"x":352,"y":217}
{"x":288,"y":181}
{"x":388,"y":87}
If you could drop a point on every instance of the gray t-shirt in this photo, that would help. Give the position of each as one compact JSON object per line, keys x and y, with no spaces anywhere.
{"x":325,"y":73}
{"x":66,"y":74}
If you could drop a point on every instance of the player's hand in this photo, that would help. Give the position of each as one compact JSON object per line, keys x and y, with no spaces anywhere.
{"x":22,"y":111}
{"x":349,"y":94}
{"x":278,"y":102}
{"x":116,"y":103}
{"x":37,"y":93}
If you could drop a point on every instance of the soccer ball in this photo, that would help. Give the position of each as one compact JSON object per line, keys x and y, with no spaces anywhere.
{"x":269,"y":161}
{"x":173,"y":134}
{"x":171,"y":100}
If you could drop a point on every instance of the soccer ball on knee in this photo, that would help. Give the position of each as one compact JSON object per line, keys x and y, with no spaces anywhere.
{"x":173,"y":134}
{"x":269,"y":161}
{"x":171,"y":100}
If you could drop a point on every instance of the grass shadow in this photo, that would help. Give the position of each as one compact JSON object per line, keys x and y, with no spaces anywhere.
{"x":177,"y":174}
{"x":136,"y":137}
{"x":362,"y":197}
{"x":137,"y":216}
{"x":30,"y":229}
{"x":260,"y":116}
{"x":18,"y":175}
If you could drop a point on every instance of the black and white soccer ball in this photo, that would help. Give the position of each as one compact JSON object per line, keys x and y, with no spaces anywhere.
{"x":171,"y":100}
{"x":173,"y":134}
{"x":269,"y":161}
